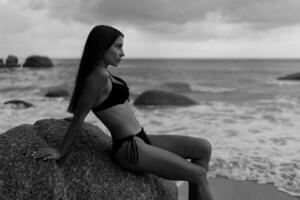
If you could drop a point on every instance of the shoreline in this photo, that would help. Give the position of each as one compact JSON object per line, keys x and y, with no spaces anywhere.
{"x":227,"y":189}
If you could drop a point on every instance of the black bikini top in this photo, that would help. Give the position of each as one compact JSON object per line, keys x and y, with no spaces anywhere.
{"x":118,"y":95}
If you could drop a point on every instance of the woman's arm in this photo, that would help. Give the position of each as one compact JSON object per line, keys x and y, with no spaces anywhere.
{"x":93,"y":88}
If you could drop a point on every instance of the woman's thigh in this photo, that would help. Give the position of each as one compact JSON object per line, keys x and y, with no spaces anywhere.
{"x":185,"y":146}
{"x":160,"y":162}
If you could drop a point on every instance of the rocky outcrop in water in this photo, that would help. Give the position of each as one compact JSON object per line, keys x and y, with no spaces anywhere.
{"x":157,"y":97}
{"x":293,"y":77}
{"x":1,"y":63}
{"x":86,"y":172}
{"x":12,"y":61}
{"x":19,"y":103}
{"x":38,"y":62}
{"x":57,"y":92}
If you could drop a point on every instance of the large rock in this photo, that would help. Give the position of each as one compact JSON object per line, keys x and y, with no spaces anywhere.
{"x":1,"y":63}
{"x":294,"y":77}
{"x":57,"y":92}
{"x":156,"y":97}
{"x":61,"y":90}
{"x":18,"y":103}
{"x":86,"y":173}
{"x":38,"y":61}
{"x":12,"y":61}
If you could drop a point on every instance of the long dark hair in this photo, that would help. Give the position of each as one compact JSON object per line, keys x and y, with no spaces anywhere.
{"x":99,"y":40}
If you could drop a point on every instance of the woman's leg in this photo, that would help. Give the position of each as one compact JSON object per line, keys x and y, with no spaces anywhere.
{"x":159,"y":162}
{"x":196,"y":149}
{"x":165,"y":164}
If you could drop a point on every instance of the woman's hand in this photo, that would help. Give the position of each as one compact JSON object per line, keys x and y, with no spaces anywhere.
{"x":47,"y":154}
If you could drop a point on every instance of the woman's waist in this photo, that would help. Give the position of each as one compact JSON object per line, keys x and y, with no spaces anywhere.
{"x":120,"y":121}
{"x":124,"y":130}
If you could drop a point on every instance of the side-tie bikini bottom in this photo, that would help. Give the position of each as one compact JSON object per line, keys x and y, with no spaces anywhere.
{"x":131,"y":146}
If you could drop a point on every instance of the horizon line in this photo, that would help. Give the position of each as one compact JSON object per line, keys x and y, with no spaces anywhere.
{"x":173,"y":58}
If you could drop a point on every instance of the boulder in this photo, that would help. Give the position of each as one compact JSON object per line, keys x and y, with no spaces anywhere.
{"x":294,"y":77}
{"x":86,"y":172}
{"x":61,"y":90}
{"x":175,"y":87}
{"x":38,"y":61}
{"x":57,"y":92}
{"x":157,"y":97}
{"x":19,"y":103}
{"x":12,"y":61}
{"x":1,"y":63}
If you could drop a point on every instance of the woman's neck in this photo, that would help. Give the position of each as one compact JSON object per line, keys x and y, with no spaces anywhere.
{"x":101,"y":68}
{"x":102,"y":65}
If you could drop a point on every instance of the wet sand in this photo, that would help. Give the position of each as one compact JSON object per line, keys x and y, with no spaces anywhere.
{"x":225,"y":189}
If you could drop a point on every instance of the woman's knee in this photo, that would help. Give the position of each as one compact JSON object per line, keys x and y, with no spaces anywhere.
{"x":205,"y":149}
{"x":208,"y":148}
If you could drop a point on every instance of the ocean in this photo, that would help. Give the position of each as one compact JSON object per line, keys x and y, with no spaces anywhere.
{"x":251,"y":119}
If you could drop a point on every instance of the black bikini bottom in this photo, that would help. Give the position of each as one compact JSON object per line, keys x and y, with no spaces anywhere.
{"x":131,"y":146}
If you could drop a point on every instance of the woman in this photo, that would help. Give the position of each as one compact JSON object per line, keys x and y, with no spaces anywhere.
{"x":107,"y":96}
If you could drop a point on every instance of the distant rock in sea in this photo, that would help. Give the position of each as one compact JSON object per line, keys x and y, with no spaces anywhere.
{"x":158,"y":97}
{"x":86,"y":172}
{"x":38,"y":62}
{"x":12,"y":61}
{"x":19,"y":103}
{"x":295,"y":77}
{"x":57,"y":92}
{"x":1,"y":63}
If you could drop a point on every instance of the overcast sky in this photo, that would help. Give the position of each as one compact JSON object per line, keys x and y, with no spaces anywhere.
{"x":154,"y":28}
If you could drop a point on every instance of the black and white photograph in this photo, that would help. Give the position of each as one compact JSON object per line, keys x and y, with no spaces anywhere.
{"x":149,"y":100}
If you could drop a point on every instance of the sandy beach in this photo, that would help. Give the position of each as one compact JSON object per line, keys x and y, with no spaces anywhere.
{"x":225,"y":189}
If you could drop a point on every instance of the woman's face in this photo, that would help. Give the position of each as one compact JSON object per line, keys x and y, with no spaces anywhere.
{"x":114,"y":54}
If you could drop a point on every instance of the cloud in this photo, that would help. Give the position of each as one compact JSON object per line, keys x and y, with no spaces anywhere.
{"x":26,"y":31}
{"x":16,"y":21}
{"x":191,"y":19}
{"x":264,"y":13}
{"x":204,"y":28}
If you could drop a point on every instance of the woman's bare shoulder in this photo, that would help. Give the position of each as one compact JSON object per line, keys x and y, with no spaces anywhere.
{"x":98,"y":77}
{"x":100,"y":73}
{"x":95,"y":84}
